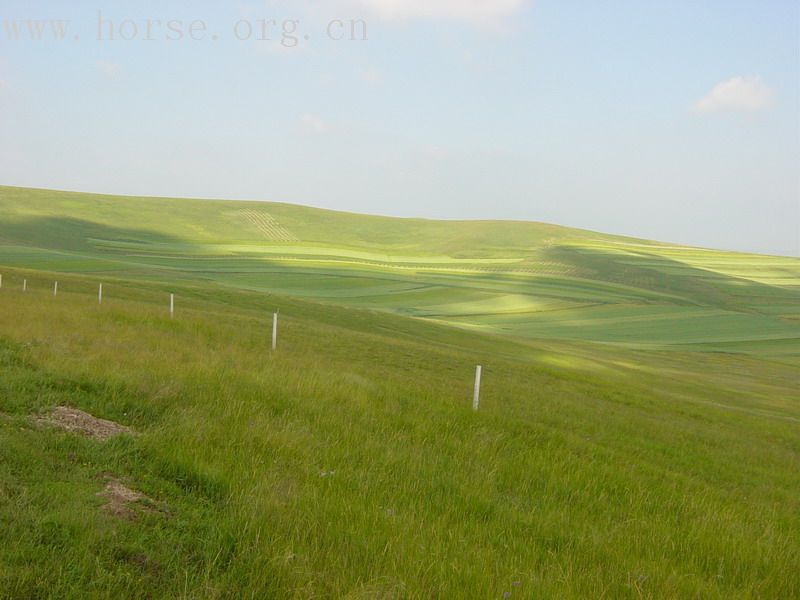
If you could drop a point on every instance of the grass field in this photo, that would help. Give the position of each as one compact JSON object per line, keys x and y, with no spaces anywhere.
{"x":520,"y":279}
{"x":349,"y":463}
{"x":638,"y":435}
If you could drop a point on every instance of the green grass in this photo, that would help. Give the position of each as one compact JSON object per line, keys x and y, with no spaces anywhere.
{"x":638,"y":435}
{"x":349,"y":463}
{"x":531,"y":280}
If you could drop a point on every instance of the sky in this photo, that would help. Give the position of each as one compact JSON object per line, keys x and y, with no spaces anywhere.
{"x":671,"y":120}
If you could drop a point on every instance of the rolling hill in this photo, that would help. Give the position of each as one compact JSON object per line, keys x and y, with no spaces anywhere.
{"x":638,"y":434}
{"x":530,"y":280}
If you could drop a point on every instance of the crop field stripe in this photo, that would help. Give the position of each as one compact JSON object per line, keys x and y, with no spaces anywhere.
{"x":267,"y":225}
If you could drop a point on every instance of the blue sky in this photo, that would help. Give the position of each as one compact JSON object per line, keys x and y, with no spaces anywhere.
{"x":677,"y":121}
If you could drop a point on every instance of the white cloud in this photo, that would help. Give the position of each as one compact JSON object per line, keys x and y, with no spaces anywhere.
{"x":313,"y":124}
{"x":745,"y":94}
{"x":459,"y":10}
{"x":108,"y":68}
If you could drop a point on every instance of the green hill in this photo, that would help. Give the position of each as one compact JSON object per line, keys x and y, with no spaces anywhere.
{"x":638,"y":434}
{"x":522,"y":279}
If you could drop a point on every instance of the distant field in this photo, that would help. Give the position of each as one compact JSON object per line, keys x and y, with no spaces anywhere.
{"x":529,"y":280}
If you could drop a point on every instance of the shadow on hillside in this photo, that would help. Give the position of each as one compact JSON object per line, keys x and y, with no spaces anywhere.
{"x":664,"y":275}
{"x":63,"y":233}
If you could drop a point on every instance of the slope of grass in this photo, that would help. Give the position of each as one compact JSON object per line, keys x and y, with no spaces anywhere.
{"x":349,"y":463}
{"x":530,"y":280}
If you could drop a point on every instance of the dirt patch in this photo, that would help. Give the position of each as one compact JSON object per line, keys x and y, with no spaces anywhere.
{"x":77,"y":421}
{"x":123,"y":502}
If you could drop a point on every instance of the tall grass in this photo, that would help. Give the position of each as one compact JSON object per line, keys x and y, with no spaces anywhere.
{"x":350,"y":464}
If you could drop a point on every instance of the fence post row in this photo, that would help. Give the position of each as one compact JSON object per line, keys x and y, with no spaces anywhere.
{"x":478,"y":370}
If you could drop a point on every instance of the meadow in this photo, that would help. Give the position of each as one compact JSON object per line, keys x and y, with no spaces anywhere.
{"x":531,"y":280}
{"x":637,"y":435}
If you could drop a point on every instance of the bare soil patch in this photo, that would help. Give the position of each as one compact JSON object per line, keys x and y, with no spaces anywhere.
{"x":78,"y":421}
{"x":123,"y":502}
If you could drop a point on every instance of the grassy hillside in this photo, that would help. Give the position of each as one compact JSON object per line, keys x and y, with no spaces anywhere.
{"x":349,"y":463}
{"x":638,"y":435}
{"x":527,"y":280}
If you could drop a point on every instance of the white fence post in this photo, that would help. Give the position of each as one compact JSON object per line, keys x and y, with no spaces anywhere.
{"x":1,"y":280}
{"x":55,"y":288}
{"x":477,"y":396}
{"x":100,"y":294}
{"x":24,"y":285}
{"x":274,"y":330}
{"x":171,"y":305}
